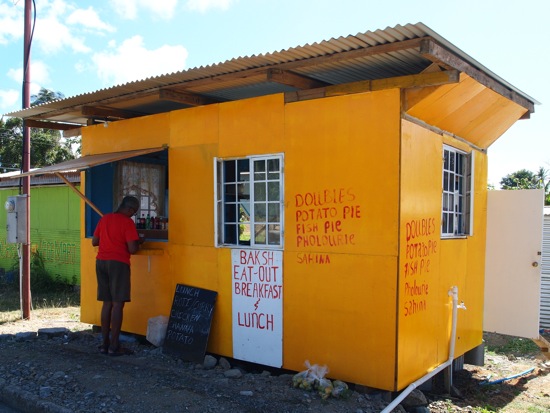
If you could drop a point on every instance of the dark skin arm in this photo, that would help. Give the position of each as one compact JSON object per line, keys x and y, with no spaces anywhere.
{"x":133,"y":246}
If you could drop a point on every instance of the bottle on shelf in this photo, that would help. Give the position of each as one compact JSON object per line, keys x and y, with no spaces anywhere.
{"x":142,"y":221}
{"x":148,"y":222}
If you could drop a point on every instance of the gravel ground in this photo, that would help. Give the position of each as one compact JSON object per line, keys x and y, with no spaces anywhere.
{"x":53,"y":365}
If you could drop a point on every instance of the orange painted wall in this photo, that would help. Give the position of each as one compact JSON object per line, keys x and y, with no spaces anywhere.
{"x":429,"y":266}
{"x":342,"y":154}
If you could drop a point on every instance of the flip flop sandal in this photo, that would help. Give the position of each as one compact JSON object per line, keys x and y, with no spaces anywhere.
{"x":103,"y":349}
{"x":121,"y":351}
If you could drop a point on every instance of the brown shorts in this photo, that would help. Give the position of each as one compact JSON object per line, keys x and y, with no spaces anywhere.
{"x":113,"y":281}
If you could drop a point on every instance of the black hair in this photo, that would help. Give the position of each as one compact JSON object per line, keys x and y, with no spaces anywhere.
{"x":130,"y":202}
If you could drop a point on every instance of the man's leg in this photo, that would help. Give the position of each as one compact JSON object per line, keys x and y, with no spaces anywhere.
{"x":116,"y":323}
{"x":106,"y":311}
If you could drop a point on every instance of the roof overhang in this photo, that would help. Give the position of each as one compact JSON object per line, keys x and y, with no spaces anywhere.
{"x":371,"y":56}
{"x":79,"y":164}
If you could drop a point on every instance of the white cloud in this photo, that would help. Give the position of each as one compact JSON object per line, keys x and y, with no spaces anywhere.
{"x":8,"y":99}
{"x":11,"y":22}
{"x":128,"y":9}
{"x":132,"y":61}
{"x":88,"y":18}
{"x":39,"y":73}
{"x":40,"y":76}
{"x":59,"y":25}
{"x":53,"y":36}
{"x":205,"y":5}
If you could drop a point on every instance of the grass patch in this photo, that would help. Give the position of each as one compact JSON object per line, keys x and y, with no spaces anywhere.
{"x":536,"y":409}
{"x":10,"y":305}
{"x":47,"y":292}
{"x":514,"y":345}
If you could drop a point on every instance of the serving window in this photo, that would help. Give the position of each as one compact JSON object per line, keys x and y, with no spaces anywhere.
{"x":146,"y":178}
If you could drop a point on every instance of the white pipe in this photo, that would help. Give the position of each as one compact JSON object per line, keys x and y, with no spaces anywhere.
{"x":454,"y":293}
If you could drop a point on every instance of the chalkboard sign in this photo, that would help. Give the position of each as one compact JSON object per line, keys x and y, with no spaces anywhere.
{"x":189,"y":323}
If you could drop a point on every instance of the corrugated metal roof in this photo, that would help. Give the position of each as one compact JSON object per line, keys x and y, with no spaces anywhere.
{"x":79,"y":164}
{"x":335,"y":61}
{"x":73,"y":177}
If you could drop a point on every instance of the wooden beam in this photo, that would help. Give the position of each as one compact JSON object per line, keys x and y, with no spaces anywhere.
{"x":102,"y":112}
{"x":294,"y":80}
{"x":402,"y":82}
{"x":75,"y":189}
{"x":40,"y":124}
{"x":71,"y":133}
{"x":186,"y":98}
{"x":438,"y":54}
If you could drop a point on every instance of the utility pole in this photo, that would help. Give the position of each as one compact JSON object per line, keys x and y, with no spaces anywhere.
{"x":26,"y":247}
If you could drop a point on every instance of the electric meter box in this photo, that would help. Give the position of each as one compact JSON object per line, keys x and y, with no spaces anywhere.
{"x":16,"y":228}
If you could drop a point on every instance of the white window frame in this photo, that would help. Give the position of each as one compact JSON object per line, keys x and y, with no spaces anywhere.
{"x":221,"y":203}
{"x":457,"y":203}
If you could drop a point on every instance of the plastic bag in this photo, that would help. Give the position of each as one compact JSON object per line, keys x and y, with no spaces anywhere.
{"x":302,"y":380}
{"x":340,"y":389}
{"x":156,"y":330}
{"x":324,"y":387}
{"x":310,"y":378}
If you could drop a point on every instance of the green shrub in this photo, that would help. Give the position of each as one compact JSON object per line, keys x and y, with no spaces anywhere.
{"x":41,"y":280}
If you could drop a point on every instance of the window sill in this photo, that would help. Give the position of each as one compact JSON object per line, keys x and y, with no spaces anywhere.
{"x":153,"y":234}
{"x":444,"y":237}
{"x":251,"y":247}
{"x":150,"y":251}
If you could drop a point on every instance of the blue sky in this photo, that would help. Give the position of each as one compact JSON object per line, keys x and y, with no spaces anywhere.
{"x":85,"y":45}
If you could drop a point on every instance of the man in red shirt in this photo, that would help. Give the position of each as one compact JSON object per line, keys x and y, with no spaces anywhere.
{"x":117,"y":238}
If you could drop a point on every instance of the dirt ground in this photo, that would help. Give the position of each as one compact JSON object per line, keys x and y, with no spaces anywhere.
{"x":64,"y":372}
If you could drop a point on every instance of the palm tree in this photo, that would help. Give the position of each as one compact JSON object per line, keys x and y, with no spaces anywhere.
{"x":542,"y":178}
{"x":45,"y":96}
{"x":47,"y":146}
{"x":524,"y":179}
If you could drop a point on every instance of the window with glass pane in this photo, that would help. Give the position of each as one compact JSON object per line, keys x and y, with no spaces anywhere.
{"x":145,"y":181}
{"x":251,"y":201}
{"x":456,"y":198}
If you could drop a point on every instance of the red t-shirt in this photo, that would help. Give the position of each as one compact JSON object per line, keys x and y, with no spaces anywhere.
{"x":114,"y":231}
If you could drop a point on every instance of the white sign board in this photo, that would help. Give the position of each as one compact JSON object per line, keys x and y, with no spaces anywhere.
{"x":257,"y":281}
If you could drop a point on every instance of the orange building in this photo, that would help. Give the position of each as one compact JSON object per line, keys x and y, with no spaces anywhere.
{"x":331,"y":194}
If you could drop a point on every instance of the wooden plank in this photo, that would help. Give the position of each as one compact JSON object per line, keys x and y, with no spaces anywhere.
{"x":305,"y":95}
{"x":186,"y":98}
{"x":420,"y":80}
{"x":71,"y":133}
{"x":40,"y":124}
{"x":75,"y":189}
{"x":435,"y":52}
{"x":103,"y":112}
{"x":297,"y":81}
{"x":543,"y":345}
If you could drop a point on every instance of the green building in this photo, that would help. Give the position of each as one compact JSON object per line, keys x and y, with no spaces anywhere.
{"x":55,"y":227}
